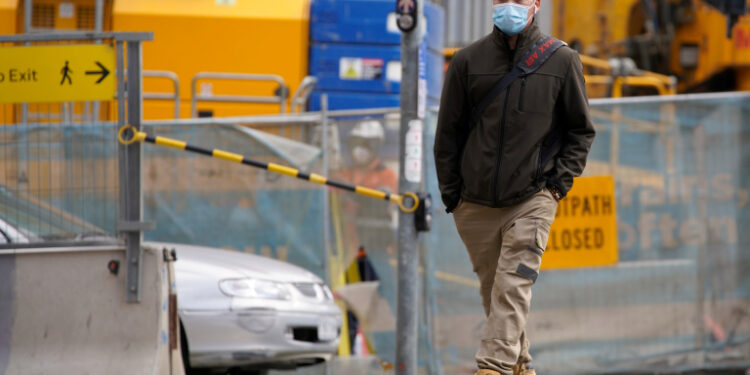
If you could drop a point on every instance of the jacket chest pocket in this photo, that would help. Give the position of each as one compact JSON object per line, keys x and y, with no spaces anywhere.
{"x":537,"y":93}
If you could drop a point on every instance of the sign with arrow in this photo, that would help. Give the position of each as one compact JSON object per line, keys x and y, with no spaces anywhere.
{"x":48,"y":74}
{"x":103,"y":72}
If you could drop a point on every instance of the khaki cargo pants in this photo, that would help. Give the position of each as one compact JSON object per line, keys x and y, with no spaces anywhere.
{"x":506,"y":246}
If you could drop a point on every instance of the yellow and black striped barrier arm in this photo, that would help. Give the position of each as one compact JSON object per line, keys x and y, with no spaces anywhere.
{"x":128,"y":134}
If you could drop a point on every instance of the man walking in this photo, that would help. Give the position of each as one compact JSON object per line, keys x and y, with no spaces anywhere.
{"x":514,"y":130}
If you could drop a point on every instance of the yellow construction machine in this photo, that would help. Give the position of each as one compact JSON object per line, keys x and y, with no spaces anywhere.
{"x":705,"y":44}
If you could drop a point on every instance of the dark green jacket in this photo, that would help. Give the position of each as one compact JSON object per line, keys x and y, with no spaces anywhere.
{"x":535,"y":134}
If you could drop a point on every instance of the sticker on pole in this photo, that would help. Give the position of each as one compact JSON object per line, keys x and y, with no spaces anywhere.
{"x":413,"y":162}
{"x":57,"y":73}
{"x":584,"y":233}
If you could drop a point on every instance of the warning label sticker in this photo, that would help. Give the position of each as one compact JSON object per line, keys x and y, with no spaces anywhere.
{"x":413,"y":163}
{"x":584,"y":233}
{"x":360,"y":69}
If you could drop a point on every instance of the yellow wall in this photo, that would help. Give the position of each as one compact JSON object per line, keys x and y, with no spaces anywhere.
{"x":191,"y":36}
{"x":68,"y":23}
{"x":7,"y":26}
{"x":60,"y":23}
{"x":8,"y":16}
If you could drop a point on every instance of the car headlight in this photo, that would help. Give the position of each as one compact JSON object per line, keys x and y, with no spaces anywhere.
{"x":254,"y":288}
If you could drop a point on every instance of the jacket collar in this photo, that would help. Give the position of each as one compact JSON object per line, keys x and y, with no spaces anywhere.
{"x":526,"y":39}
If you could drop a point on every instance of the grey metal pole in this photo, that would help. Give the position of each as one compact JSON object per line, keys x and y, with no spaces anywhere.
{"x":699,"y":142}
{"x":408,"y":246}
{"x":23,"y":157}
{"x":28,"y":9}
{"x":99,"y":16}
{"x":134,"y":204}
{"x":98,"y":27}
{"x":121,"y":121}
{"x":326,"y":197}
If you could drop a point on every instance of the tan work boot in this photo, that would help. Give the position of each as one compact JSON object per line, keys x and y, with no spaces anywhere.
{"x":488,"y":372}
{"x":520,"y":369}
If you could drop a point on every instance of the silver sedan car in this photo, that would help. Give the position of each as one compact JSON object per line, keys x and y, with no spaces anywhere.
{"x":244,"y":311}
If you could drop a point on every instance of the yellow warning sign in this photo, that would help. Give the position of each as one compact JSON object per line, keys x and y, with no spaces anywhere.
{"x":57,"y":73}
{"x":351,"y":73}
{"x":584,"y":233}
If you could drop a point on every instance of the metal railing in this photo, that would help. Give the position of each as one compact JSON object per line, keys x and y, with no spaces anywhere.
{"x":298,"y":101}
{"x":174,"y":96}
{"x":280,"y":95}
{"x":620,"y":78}
{"x":618,"y":84}
{"x":300,"y":97}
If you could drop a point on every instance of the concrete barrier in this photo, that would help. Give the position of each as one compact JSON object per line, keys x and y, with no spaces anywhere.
{"x":63,"y":312}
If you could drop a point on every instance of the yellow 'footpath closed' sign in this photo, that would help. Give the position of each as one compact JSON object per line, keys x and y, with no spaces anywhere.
{"x":584,"y":233}
{"x":57,"y":73}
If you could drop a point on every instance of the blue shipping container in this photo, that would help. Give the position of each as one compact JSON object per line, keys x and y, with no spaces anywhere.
{"x":355,"y":53}
{"x":368,"y":22}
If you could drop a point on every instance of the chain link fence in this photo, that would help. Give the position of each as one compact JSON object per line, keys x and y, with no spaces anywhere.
{"x":58,"y":161}
{"x":677,"y":300}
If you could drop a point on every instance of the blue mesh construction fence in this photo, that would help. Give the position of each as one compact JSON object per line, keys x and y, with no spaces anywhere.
{"x":679,"y":297}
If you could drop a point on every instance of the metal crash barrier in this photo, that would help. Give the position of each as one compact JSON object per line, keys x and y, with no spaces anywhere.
{"x":280,"y":95}
{"x":300,"y":97}
{"x":66,"y":302}
{"x":298,"y":101}
{"x":174,"y":96}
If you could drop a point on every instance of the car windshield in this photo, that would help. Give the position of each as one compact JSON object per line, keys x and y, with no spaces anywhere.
{"x":27,"y":220}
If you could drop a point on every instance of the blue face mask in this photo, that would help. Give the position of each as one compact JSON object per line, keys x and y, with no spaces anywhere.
{"x":510,"y":18}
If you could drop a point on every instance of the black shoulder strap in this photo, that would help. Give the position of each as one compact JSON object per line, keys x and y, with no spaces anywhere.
{"x":533,"y":60}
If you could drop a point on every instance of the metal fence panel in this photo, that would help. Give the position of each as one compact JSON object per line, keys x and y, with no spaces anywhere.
{"x":203,"y":201}
{"x":66,"y":180}
{"x":678,"y":298}
{"x":58,"y":165}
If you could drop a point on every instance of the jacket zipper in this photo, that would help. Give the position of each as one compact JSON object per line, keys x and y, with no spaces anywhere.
{"x":523,"y":90}
{"x":500,"y":147}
